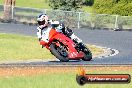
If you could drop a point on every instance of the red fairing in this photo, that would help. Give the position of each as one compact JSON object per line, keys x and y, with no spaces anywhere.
{"x":72,"y":52}
{"x":76,"y":55}
{"x":42,"y":43}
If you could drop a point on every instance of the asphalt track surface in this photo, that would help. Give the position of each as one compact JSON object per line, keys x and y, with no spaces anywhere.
{"x":120,"y":40}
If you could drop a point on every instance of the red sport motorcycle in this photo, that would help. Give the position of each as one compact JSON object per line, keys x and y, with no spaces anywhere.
{"x":65,"y":49}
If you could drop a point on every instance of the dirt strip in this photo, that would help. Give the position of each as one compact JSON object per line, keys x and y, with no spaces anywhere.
{"x":30,"y":71}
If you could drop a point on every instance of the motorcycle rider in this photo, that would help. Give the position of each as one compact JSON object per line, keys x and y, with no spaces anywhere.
{"x":45,"y":26}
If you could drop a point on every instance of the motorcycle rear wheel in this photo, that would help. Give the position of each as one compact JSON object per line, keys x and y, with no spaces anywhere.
{"x":88,"y":54}
{"x":62,"y":56}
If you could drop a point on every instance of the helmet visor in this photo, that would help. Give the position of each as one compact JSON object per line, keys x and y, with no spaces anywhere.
{"x":41,"y":22}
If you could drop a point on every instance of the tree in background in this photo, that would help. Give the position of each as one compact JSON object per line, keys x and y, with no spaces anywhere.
{"x":88,"y":2}
{"x":67,"y":5}
{"x":8,"y":5}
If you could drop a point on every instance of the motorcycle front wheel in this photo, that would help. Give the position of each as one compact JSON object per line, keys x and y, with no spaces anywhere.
{"x":59,"y":52}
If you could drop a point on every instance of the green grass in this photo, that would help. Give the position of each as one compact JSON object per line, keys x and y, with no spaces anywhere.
{"x":1,"y":1}
{"x":60,"y":80}
{"x":43,"y":4}
{"x":31,"y":3}
{"x":19,"y":47}
{"x":87,"y":9}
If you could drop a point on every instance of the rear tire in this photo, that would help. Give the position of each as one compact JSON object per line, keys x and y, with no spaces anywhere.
{"x":88,"y":54}
{"x":57,"y":54}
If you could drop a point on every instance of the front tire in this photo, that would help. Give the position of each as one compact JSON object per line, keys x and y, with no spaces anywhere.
{"x":57,"y":54}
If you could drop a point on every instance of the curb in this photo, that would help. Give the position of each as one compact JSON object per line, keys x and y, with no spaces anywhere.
{"x":108,"y":52}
